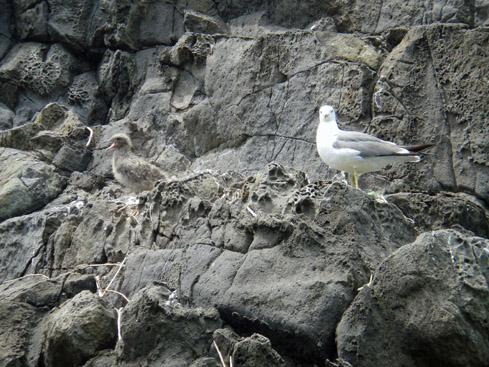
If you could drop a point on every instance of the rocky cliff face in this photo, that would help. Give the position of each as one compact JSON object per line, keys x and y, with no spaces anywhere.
{"x":253,"y":252}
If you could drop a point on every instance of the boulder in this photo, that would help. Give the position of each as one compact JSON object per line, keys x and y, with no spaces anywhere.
{"x":71,"y":158}
{"x":99,"y":222}
{"x":443,"y":210}
{"x":27,"y":184}
{"x":426,"y":305}
{"x":24,"y":304}
{"x":256,"y":350}
{"x":24,"y":241}
{"x":161,"y":331}
{"x":28,"y":179}
{"x":53,"y":128}
{"x":78,"y":329}
{"x":40,"y":291}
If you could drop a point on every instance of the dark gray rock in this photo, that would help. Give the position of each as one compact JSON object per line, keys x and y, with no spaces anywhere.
{"x":135,"y":25}
{"x":266,"y":242}
{"x":27,"y":184}
{"x":288,"y":14}
{"x":17,"y":322}
{"x":6,"y":117}
{"x":205,"y":362}
{"x":43,"y":69}
{"x":5,"y":27}
{"x":283,"y":13}
{"x":28,"y":180}
{"x":229,"y":232}
{"x":71,"y":158}
{"x":52,"y":127}
{"x":422,"y":89}
{"x":24,"y":304}
{"x":23,"y":115}
{"x":251,"y":114}
{"x":256,"y":350}
{"x":76,"y":24}
{"x":213,"y":92}
{"x":103,"y":359}
{"x":8,"y":94}
{"x":482,"y":13}
{"x":69,"y":246}
{"x":88,"y":101}
{"x":31,"y":22}
{"x":338,"y":363}
{"x":225,"y":340}
{"x":173,"y":335}
{"x":378,"y":16}
{"x":201,"y":23}
{"x":78,"y":329}
{"x":444,"y":210}
{"x":23,"y":242}
{"x":351,"y":16}
{"x":40,"y":291}
{"x":225,"y":239}
{"x":74,"y":283}
{"x":190,"y":48}
{"x":115,"y":77}
{"x":427,"y":305}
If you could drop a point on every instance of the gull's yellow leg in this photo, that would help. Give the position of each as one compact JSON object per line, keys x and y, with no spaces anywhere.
{"x":355,"y":177}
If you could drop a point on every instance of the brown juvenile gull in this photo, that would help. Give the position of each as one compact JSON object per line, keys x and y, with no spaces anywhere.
{"x":129,"y":169}
{"x":355,"y":152}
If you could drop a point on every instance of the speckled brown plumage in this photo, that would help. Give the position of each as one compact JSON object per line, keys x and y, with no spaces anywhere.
{"x":129,"y":169}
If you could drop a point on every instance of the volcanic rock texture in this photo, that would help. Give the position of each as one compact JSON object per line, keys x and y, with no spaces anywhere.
{"x":253,"y":252}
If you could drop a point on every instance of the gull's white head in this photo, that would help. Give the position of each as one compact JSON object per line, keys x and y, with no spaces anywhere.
{"x":326,"y":114}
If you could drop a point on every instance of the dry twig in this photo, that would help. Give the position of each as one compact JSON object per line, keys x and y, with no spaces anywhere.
{"x":119,"y":317}
{"x":115,"y":276}
{"x":27,"y":276}
{"x":219,"y":352}
{"x":90,"y":138}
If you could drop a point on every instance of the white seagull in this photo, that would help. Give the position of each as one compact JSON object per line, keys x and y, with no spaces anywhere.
{"x":355,"y":152}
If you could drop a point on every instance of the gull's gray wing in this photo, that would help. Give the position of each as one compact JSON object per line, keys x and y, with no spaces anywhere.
{"x":367,"y":145}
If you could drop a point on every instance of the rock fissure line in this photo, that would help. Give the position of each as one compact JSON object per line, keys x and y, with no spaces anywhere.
{"x":443,"y":96}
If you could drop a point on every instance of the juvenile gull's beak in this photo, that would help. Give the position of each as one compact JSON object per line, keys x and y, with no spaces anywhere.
{"x":112,"y":146}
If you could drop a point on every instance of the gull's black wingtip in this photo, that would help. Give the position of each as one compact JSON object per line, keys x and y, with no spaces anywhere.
{"x":418,"y":147}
